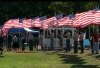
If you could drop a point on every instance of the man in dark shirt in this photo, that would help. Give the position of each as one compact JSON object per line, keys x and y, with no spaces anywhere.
{"x":9,"y":42}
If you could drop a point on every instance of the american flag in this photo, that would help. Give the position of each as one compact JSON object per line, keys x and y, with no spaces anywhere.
{"x":59,"y":18}
{"x":62,"y":21}
{"x":42,"y":20}
{"x":82,"y":19}
{"x":97,"y":18}
{"x":76,"y":23}
{"x":5,"y":31}
{"x":36,"y":22}
{"x":27,"y":23}
{"x":69,"y":20}
{"x":16,"y":23}
{"x":91,"y":17}
{"x":49,"y":22}
{"x":8,"y":24}
{"x":71,"y":16}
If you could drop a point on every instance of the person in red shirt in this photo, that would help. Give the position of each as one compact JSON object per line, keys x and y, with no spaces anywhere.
{"x":96,"y":42}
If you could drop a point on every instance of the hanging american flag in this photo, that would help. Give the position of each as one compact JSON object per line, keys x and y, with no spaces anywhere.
{"x":27,"y":23}
{"x":9,"y":24}
{"x":92,"y":17}
{"x":36,"y":22}
{"x":76,"y":23}
{"x":69,"y":20}
{"x":62,"y":21}
{"x":83,"y":19}
{"x":5,"y":31}
{"x":97,"y":18}
{"x":58,"y":16}
{"x":71,"y":16}
{"x":42,"y":19}
{"x":50,"y":22}
{"x":16,"y":23}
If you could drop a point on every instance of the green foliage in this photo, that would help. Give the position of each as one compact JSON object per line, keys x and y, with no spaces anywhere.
{"x":29,"y":9}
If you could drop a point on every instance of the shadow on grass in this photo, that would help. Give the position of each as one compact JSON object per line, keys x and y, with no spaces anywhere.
{"x":85,"y":66}
{"x":71,"y":59}
{"x":77,"y":62}
{"x":97,"y":57}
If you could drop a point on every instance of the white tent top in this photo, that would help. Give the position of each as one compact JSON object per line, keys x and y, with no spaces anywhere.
{"x":30,"y":30}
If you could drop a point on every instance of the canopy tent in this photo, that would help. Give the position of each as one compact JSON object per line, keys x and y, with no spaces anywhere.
{"x":16,"y":30}
{"x":31,"y":30}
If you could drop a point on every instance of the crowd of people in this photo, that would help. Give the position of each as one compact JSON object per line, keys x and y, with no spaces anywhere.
{"x":15,"y":42}
{"x":78,"y":37}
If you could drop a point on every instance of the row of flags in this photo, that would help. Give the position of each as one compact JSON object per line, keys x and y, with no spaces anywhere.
{"x":74,"y":20}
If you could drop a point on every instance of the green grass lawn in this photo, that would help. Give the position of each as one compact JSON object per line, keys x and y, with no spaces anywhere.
{"x":50,"y":59}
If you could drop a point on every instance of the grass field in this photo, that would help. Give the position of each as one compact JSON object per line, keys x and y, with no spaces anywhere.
{"x":50,"y":59}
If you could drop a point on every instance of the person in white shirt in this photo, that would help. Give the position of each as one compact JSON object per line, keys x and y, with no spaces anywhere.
{"x":41,"y":40}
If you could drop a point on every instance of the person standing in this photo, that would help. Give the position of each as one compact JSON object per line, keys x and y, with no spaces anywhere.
{"x":61,"y":40}
{"x":30,"y":42}
{"x":41,"y":41}
{"x":91,"y":40}
{"x":1,"y":45}
{"x":96,"y":42}
{"x":9,"y":42}
{"x":23,"y":43}
{"x":82,"y":37}
{"x":76,"y":39}
{"x":68,"y":41}
{"x":15,"y":42}
{"x":52,"y":40}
